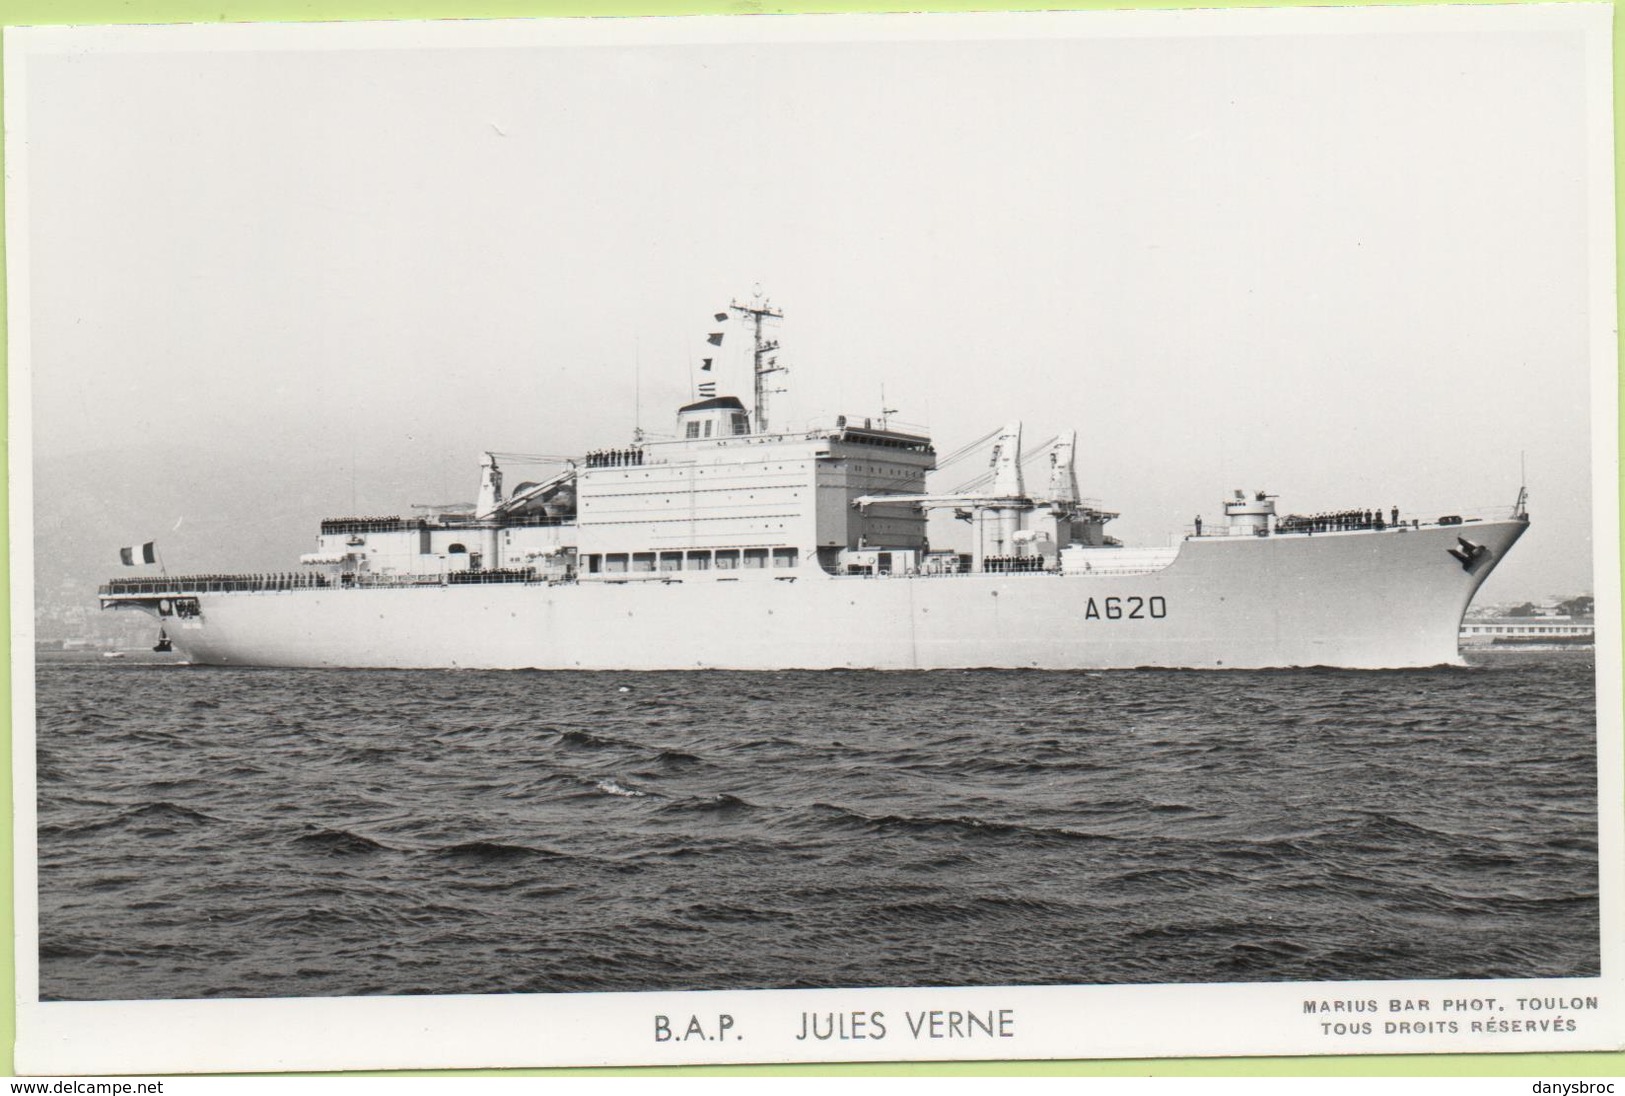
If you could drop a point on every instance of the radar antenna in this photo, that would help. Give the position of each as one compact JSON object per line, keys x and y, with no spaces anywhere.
{"x":759,"y":309}
{"x":885,"y":412}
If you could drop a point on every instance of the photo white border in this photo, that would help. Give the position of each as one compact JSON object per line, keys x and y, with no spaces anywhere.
{"x":588,"y":1029}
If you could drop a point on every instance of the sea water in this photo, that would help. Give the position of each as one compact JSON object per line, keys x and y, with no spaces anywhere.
{"x":210,"y":832}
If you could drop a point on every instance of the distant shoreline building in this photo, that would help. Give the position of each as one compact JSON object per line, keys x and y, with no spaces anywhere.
{"x":1557,"y":624}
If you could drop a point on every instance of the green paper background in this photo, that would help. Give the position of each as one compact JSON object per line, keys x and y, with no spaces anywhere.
{"x":57,"y":12}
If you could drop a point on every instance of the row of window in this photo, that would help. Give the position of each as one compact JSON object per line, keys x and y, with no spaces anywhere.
{"x":721,"y":559}
{"x":1525,"y":629}
{"x":740,"y":424}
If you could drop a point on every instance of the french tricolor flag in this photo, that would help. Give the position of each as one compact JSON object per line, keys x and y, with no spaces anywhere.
{"x":138,"y":554}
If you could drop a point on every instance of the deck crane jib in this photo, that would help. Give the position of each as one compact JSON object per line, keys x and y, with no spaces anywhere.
{"x":1009,"y":524}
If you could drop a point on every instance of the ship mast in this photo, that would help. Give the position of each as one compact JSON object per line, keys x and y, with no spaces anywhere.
{"x":760,"y":309}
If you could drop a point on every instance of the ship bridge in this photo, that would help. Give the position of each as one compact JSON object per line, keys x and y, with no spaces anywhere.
{"x":719,"y":492}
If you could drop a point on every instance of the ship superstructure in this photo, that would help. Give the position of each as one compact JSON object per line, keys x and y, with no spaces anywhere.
{"x":737,"y":544}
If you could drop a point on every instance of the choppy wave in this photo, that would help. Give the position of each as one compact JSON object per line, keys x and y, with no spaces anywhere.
{"x":610,"y":787}
{"x":488,"y":852}
{"x":310,"y":833}
{"x":338,"y":843}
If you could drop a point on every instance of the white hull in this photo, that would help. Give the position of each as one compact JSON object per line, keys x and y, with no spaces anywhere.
{"x":1370,"y":599}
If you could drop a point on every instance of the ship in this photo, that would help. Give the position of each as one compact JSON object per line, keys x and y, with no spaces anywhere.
{"x":733,"y":544}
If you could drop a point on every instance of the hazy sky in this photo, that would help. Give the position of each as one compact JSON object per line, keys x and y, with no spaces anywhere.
{"x":1351,"y":268}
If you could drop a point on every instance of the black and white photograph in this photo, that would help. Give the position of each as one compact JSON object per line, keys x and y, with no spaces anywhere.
{"x":814,"y":538}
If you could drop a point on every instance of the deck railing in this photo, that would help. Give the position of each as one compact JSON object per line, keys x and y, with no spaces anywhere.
{"x":362,"y":526}
{"x":213,"y":584}
{"x":1351,"y":521}
{"x":171,"y":585}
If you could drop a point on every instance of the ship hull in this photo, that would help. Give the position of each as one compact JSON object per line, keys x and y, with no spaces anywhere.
{"x":1372,"y":599}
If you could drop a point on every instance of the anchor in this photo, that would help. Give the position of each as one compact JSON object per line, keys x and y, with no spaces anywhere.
{"x":1468,"y":553}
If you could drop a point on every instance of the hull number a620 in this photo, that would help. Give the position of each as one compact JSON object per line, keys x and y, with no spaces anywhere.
{"x":1126,"y":608}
